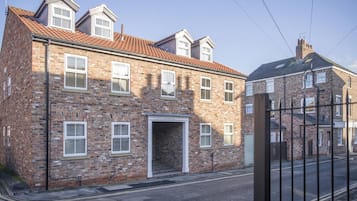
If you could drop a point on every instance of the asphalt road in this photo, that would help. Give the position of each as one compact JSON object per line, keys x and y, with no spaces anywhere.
{"x":240,"y":187}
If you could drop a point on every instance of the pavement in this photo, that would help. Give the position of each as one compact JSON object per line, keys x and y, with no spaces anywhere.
{"x":13,"y":188}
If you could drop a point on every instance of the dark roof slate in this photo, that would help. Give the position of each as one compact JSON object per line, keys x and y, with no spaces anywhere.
{"x":290,"y":66}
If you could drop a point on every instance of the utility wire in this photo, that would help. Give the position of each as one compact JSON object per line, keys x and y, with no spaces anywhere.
{"x":277,"y":26}
{"x":255,"y":22}
{"x":311,"y":14}
{"x":342,"y":40}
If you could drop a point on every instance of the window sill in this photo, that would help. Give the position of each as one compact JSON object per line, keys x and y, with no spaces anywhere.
{"x":69,"y":158}
{"x":206,"y":100}
{"x":206,"y":148}
{"x":229,"y":103}
{"x":227,"y":146}
{"x":340,"y":145}
{"x":168,"y":98}
{"x":84,"y":91}
{"x":119,"y":94}
{"x":114,"y":155}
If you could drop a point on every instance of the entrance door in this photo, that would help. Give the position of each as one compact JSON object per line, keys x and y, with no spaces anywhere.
{"x":184,"y":122}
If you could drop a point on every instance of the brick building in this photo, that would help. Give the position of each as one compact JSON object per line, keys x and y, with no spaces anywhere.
{"x":82,"y":105}
{"x":288,"y":80}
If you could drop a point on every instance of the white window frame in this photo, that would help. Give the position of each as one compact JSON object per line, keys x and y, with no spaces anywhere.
{"x":205,"y":135}
{"x":321,"y":77}
{"x":182,"y":49}
{"x":249,"y":109}
{"x":338,"y":107}
{"x":339,"y":137}
{"x":65,"y":137}
{"x":230,"y":134}
{"x":321,"y":138}
{"x":66,"y":70}
{"x":308,"y":109}
{"x":9,"y":86}
{"x":206,"y":88}
{"x":62,"y":17}
{"x":269,"y":85}
{"x":228,"y":91}
{"x":165,"y":83}
{"x":120,"y":137}
{"x":8,"y":136}
{"x":4,"y":136}
{"x":307,"y":81}
{"x":248,"y":89}
{"x":123,"y":77}
{"x":102,"y":27}
{"x":206,"y":52}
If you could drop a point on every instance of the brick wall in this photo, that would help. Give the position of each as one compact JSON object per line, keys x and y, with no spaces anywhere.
{"x":15,"y":110}
{"x":98,"y":107}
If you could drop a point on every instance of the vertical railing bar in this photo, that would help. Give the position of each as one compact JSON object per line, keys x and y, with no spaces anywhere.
{"x":348,"y":146}
{"x":292,"y":150}
{"x":304,"y":146}
{"x":280,"y":155}
{"x":332,"y":147}
{"x":317,"y":143}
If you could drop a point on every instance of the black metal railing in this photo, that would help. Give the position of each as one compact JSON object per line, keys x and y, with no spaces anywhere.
{"x":302,"y":123}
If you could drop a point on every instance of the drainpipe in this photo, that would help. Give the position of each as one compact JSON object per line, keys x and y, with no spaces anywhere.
{"x":47,"y":88}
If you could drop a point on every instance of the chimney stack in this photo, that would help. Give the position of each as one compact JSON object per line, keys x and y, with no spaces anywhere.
{"x":303,"y":49}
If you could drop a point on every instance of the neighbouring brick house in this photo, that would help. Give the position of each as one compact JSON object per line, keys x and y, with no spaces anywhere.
{"x":287,"y":81}
{"x":81,"y":104}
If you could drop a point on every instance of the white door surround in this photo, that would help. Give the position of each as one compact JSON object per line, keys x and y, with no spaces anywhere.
{"x":172,"y":118}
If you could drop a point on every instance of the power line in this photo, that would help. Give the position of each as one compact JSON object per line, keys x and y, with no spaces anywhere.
{"x":277,"y":26}
{"x":342,"y":40}
{"x":255,"y":22}
{"x":311,"y":14}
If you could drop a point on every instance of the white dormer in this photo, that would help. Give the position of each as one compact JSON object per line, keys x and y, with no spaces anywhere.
{"x":58,"y":13}
{"x":98,"y":22}
{"x":178,"y":43}
{"x":202,"y":49}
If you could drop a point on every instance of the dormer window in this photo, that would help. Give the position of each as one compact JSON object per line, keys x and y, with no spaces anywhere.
{"x":206,"y":54}
{"x":61,"y":18}
{"x":102,"y":28}
{"x":183,"y":48}
{"x":98,"y":22}
{"x":59,"y":14}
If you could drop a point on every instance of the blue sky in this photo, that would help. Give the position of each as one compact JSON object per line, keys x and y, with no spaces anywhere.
{"x":244,"y":34}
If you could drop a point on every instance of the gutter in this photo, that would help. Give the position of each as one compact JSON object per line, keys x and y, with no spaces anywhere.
{"x":141,"y":57}
{"x":47,"y":52}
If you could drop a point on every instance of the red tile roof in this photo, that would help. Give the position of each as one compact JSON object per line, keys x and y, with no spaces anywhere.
{"x":130,"y":44}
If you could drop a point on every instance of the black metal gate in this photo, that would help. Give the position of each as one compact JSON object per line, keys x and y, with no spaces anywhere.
{"x":306,"y":136}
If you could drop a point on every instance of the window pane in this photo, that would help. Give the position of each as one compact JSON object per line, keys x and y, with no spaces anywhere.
{"x":71,"y":131}
{"x":208,"y":94}
{"x":203,"y":94}
{"x":66,"y":23}
{"x":71,"y":63}
{"x":81,"y":81}
{"x":80,"y":146}
{"x":124,"y":144}
{"x":81,"y":64}
{"x":79,"y":129}
{"x":116,"y":144}
{"x":70,"y":79}
{"x":205,"y":140}
{"x":58,"y":11}
{"x":123,"y":85}
{"x":116,"y":130}
{"x":106,"y":33}
{"x":168,"y":90}
{"x":206,"y":129}
{"x":65,"y":13}
{"x":69,"y":147}
{"x":98,"y":31}
{"x":228,"y":96}
{"x":228,"y":139}
{"x":57,"y":21}
{"x":124,"y":130}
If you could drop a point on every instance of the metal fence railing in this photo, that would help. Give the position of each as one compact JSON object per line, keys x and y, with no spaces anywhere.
{"x":309,"y":137}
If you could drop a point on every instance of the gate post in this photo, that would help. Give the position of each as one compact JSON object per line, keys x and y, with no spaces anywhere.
{"x":261,"y":148}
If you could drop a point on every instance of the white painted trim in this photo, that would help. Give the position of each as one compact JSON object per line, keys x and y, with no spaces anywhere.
{"x":65,"y":137}
{"x":228,"y":134}
{"x":174,"y":83}
{"x":210,"y":135}
{"x":120,"y":137}
{"x":65,"y":71}
{"x":185,"y":140}
{"x":206,"y":88}
{"x":123,"y":77}
{"x":228,"y":91}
